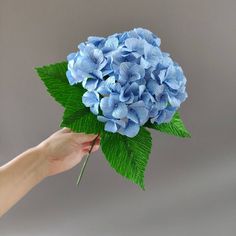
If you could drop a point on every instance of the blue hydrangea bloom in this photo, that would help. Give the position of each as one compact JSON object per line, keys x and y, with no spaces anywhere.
{"x":129,"y":80}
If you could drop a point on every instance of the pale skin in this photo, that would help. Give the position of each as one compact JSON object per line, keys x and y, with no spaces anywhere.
{"x":58,"y":153}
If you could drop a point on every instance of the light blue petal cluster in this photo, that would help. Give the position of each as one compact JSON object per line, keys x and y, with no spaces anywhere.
{"x":128,"y":79}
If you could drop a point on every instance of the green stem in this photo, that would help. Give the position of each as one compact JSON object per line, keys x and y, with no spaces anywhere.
{"x":85,"y":162}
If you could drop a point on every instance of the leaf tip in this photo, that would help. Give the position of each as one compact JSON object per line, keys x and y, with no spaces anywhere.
{"x":141,"y":185}
{"x":62,"y":125}
{"x":38,"y":70}
{"x":188,"y":135}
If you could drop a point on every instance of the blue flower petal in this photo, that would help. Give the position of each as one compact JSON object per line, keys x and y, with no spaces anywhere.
{"x":70,"y":78}
{"x":95,"y":40}
{"x":71,"y":56}
{"x":111,"y":126}
{"x":154,"y":88}
{"x":135,"y":45}
{"x":95,"y":108}
{"x":141,"y":111}
{"x":148,"y":36}
{"x":90,"y":83}
{"x":120,"y":111}
{"x":130,"y":130}
{"x":132,"y":115}
{"x":106,"y":105}
{"x":90,"y":98}
{"x":152,"y":54}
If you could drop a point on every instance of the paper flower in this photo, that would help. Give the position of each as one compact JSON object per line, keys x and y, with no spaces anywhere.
{"x":118,"y":86}
{"x":129,"y":78}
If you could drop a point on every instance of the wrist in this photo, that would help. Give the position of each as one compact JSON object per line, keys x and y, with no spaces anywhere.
{"x":42,"y":163}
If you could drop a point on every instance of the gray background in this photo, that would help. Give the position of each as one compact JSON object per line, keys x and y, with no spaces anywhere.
{"x":190,"y":183}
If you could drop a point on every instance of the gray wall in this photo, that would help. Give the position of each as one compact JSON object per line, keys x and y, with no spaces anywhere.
{"x":190,"y":183}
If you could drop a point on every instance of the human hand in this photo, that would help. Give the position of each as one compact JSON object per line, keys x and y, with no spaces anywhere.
{"x":65,"y":149}
{"x":59,"y":152}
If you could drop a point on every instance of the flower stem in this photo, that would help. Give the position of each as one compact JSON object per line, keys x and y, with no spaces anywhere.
{"x":85,"y":162}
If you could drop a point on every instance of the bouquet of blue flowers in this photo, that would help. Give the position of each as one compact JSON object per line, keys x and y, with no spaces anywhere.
{"x":119,"y":87}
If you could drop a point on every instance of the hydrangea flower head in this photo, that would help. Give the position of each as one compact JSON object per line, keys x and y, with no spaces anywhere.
{"x":129,"y":80}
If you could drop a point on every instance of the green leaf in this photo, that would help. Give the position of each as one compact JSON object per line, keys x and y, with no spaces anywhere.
{"x":54,"y":78}
{"x":174,"y":127}
{"x":79,"y":118}
{"x":128,"y":156}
